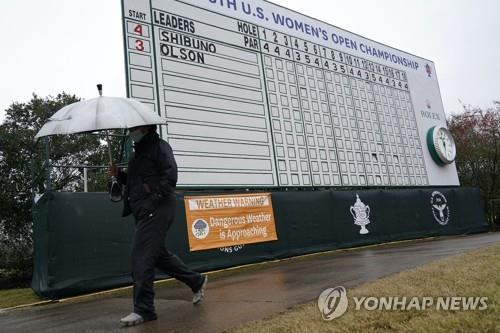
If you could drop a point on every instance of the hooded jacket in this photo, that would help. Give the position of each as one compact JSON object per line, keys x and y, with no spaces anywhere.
{"x":150,"y":178}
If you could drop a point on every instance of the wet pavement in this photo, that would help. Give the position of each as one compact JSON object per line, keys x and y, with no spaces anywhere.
{"x":243,"y":295}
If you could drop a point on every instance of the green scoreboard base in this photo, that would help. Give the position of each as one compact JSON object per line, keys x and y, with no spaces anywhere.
{"x":81,"y":244}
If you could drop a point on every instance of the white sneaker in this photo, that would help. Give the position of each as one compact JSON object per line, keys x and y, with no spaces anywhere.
{"x":132,"y":319}
{"x":200,"y":294}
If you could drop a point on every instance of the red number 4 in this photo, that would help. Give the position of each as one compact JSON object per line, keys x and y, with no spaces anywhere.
{"x":138,"y":29}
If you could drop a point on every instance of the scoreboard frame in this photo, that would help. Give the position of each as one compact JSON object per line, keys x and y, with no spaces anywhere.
{"x":252,"y":102}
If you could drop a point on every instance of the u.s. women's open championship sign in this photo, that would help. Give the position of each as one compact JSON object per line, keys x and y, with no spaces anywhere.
{"x":226,"y":220}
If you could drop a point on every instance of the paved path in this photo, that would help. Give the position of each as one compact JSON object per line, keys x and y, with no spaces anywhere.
{"x":245,"y":295}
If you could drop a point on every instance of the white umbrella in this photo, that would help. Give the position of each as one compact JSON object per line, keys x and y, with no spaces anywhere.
{"x":100,"y":114}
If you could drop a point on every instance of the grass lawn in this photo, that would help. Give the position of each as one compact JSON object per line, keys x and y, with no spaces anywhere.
{"x":474,"y":274}
{"x":15,"y":297}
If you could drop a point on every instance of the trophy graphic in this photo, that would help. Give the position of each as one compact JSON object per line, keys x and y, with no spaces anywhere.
{"x":361,"y":214}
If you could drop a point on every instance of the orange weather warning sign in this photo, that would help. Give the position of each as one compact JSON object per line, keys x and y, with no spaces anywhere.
{"x":227,"y":220}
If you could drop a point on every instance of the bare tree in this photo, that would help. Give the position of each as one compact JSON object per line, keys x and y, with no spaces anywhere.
{"x":477,"y":135}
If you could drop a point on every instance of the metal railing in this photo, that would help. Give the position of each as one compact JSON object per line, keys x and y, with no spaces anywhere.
{"x":48,"y":167}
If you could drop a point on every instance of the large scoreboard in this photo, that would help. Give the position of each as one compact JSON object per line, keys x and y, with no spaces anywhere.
{"x":257,"y":95}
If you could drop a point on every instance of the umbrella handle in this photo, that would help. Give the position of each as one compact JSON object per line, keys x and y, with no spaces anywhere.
{"x":115,"y":192}
{"x":109,"y":148}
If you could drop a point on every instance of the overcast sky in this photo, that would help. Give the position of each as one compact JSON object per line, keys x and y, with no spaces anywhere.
{"x":50,"y":46}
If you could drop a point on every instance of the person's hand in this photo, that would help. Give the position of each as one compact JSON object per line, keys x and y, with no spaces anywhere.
{"x":112,"y":170}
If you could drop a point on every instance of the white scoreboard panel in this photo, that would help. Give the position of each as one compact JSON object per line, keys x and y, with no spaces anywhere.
{"x":257,"y":95}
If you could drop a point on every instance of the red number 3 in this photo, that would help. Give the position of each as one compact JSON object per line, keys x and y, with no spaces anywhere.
{"x":139,"y":45}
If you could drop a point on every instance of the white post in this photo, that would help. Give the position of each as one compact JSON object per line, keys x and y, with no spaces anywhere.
{"x":85,"y":180}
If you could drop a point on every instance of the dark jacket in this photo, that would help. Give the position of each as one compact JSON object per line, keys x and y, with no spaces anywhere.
{"x":150,"y":178}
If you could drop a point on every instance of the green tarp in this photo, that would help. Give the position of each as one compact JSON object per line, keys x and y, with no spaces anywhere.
{"x":82,"y":244}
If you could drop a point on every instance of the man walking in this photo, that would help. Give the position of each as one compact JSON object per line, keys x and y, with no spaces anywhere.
{"x":149,"y":195}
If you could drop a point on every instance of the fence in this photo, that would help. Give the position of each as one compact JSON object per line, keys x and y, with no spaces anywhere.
{"x":81,"y":243}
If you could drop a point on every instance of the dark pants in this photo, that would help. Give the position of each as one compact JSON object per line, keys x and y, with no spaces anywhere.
{"x":149,"y":252}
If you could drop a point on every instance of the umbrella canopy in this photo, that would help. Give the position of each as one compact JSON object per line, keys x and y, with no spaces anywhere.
{"x":97,"y":114}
